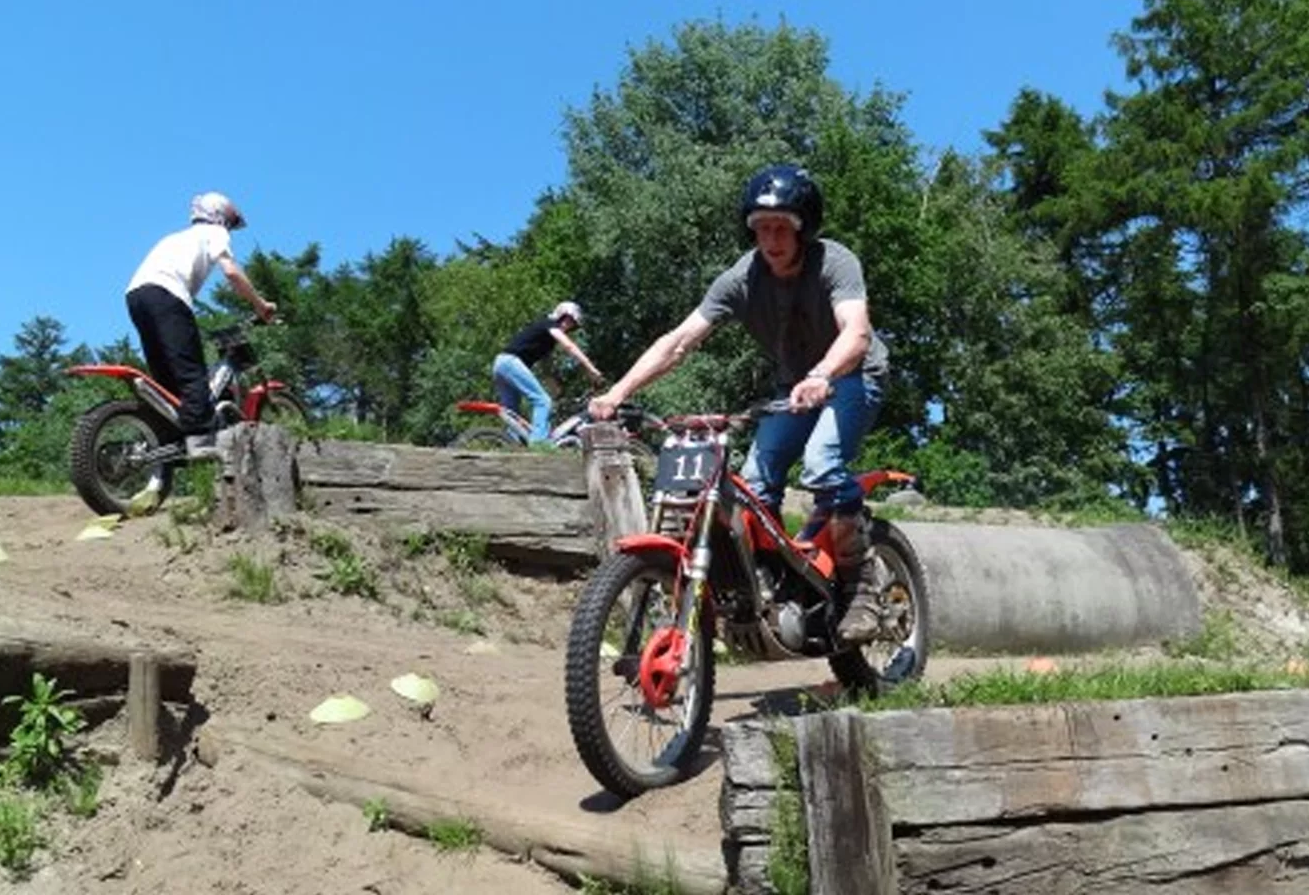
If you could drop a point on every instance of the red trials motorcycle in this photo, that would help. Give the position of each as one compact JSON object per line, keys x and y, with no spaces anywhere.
{"x":639,"y":677}
{"x":120,"y":447}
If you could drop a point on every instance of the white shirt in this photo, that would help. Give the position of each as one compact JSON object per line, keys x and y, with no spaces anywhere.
{"x":181,"y":261}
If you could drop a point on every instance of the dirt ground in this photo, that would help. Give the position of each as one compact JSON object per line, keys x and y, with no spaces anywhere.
{"x":498,"y":732}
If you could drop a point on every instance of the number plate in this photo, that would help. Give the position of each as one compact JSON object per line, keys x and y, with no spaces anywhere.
{"x":685,"y":468}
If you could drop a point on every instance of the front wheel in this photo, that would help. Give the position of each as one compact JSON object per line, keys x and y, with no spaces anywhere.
{"x":283,"y":409}
{"x":900,"y":653}
{"x":624,"y":618}
{"x":105,"y":455}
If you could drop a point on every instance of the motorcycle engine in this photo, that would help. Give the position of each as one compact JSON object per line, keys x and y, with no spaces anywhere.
{"x":790,"y":626}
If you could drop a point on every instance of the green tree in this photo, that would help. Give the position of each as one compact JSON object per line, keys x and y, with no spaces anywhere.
{"x":1204,"y":173}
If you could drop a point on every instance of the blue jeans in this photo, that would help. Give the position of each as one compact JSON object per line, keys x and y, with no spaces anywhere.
{"x":513,"y":380}
{"x":828,"y":437}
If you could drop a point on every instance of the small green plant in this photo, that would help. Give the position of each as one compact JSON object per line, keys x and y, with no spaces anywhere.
{"x":416,"y":543}
{"x":464,"y":621}
{"x":38,"y":746}
{"x":252,"y":580}
{"x":465,"y":551}
{"x":81,"y":790}
{"x":351,"y":575}
{"x":197,"y":488}
{"x":1217,"y":639}
{"x":331,"y":544}
{"x":788,"y":860}
{"x":378,"y":814}
{"x":478,"y":590}
{"x":458,"y":834}
{"x":19,"y":835}
{"x":173,"y":536}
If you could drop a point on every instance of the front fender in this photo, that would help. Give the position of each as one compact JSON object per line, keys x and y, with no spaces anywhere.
{"x":653,"y":543}
{"x":255,"y":397}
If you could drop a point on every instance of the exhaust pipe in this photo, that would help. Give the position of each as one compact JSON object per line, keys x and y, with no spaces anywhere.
{"x":155,"y":400}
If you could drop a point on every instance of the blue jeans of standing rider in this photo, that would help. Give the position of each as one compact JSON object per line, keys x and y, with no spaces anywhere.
{"x":827,"y":437}
{"x":513,"y":379}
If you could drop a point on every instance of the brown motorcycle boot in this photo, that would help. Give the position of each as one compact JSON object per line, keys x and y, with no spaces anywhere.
{"x":861,"y":573}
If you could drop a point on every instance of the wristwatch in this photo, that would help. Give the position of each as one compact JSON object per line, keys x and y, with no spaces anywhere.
{"x":816,"y":373}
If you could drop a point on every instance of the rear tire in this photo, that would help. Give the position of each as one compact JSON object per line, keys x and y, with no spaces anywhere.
{"x":862,"y":668}
{"x":101,"y":473}
{"x":484,"y":438}
{"x":593,"y":660}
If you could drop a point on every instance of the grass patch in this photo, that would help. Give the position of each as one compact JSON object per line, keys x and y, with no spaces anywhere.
{"x":18,"y":486}
{"x":195,"y":489}
{"x":252,"y":580}
{"x":462,"y":621}
{"x":80,"y":790}
{"x":647,"y":882}
{"x":331,"y":544}
{"x":1159,"y":679}
{"x":788,"y":859}
{"x":454,"y":835}
{"x":1217,"y":639}
{"x":348,"y":573}
{"x":417,"y":543}
{"x":378,"y":814}
{"x":20,"y":835}
{"x":351,"y":575}
{"x":465,"y":551}
{"x":174,"y":536}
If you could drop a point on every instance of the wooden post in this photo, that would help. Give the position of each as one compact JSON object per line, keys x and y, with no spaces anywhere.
{"x":612,"y":485}
{"x":143,"y":706}
{"x":849,"y":828}
{"x":259,"y":478}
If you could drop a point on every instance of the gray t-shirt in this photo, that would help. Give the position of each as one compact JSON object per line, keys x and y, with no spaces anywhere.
{"x":792,"y":320}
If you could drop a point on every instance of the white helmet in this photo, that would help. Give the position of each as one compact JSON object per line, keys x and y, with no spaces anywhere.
{"x":567,"y":309}
{"x":215,"y":208}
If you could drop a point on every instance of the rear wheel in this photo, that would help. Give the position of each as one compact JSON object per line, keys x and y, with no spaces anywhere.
{"x":484,"y":438}
{"x":628,"y":743}
{"x":105,"y":454}
{"x":900,"y":654}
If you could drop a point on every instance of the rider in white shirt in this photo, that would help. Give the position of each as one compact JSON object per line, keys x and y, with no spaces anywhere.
{"x":160,"y":298}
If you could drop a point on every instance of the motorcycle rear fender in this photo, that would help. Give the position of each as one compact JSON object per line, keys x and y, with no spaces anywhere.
{"x":126,"y":373}
{"x":870,"y":480}
{"x":256,"y":395}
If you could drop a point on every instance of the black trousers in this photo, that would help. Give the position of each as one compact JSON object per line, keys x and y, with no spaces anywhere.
{"x":170,"y":339}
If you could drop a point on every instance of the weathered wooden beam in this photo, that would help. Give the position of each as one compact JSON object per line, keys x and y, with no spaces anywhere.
{"x":848,"y":827}
{"x":940,"y":766}
{"x":1237,"y":848}
{"x":600,"y":848}
{"x":551,"y":531}
{"x":617,"y":505}
{"x":348,"y":464}
{"x":89,"y":669}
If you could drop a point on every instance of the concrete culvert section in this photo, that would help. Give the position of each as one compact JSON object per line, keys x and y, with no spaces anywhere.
{"x":1023,"y":588}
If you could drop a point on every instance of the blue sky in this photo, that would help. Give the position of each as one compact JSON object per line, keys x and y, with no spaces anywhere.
{"x":350,"y":123}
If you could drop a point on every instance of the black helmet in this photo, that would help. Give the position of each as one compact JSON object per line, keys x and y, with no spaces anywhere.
{"x":784,"y":188}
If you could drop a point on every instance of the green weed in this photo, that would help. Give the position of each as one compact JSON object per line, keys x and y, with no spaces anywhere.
{"x":252,"y":581}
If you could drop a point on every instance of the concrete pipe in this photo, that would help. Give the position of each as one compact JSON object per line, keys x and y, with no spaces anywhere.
{"x":1022,"y":589}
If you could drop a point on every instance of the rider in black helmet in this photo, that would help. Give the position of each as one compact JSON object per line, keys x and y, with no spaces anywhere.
{"x":803,"y":299}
